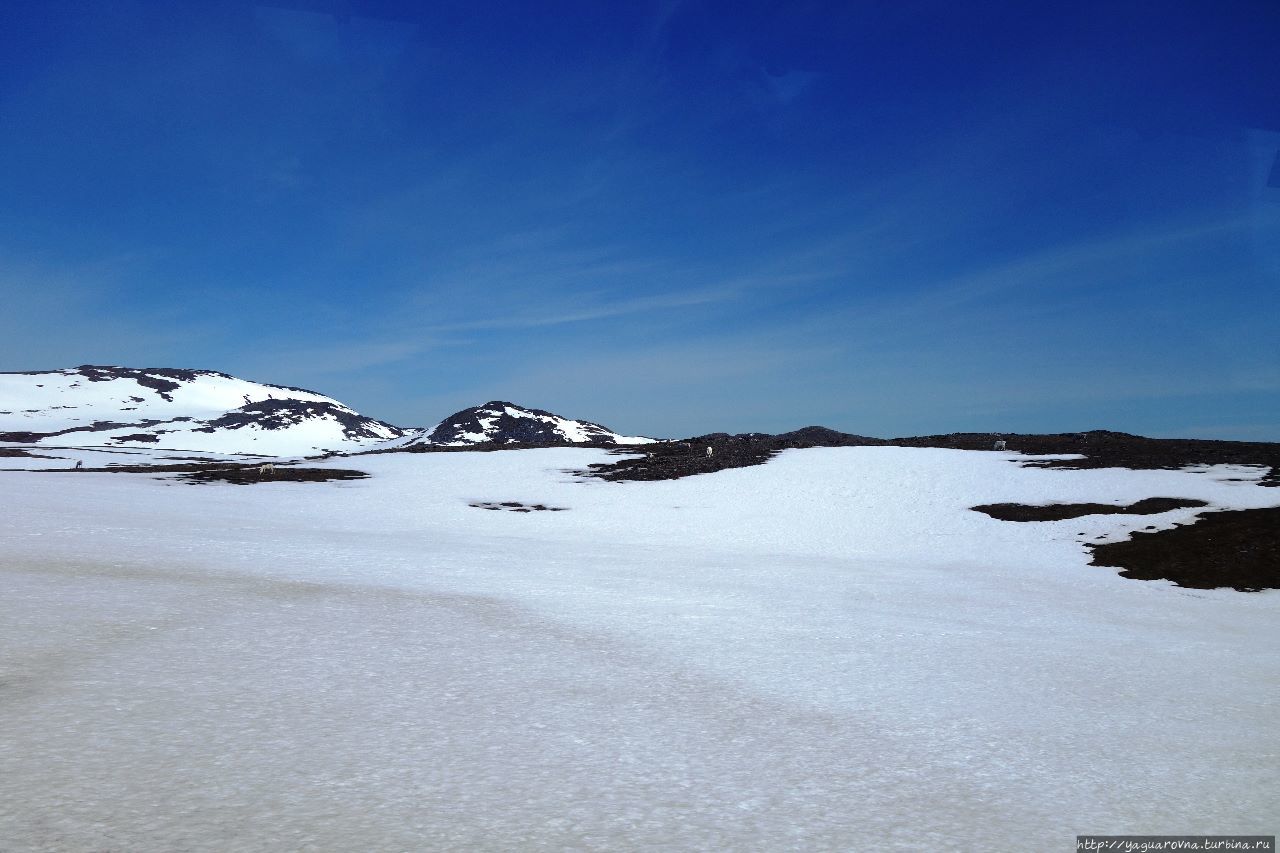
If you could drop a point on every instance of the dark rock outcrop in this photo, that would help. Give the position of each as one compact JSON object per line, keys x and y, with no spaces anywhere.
{"x":1061,"y":512}
{"x":501,"y":423}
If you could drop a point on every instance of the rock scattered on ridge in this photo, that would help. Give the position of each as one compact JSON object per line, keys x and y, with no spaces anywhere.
{"x":1108,"y":449}
{"x":282,"y":414}
{"x":671,"y":460}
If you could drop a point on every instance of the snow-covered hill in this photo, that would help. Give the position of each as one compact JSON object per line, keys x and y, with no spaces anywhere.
{"x":173,"y":409}
{"x":149,"y":413}
{"x":500,"y":422}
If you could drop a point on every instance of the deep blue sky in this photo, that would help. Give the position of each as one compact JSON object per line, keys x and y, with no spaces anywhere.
{"x":674,"y":217}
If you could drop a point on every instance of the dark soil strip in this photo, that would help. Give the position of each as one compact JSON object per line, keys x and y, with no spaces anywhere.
{"x":244,"y":475}
{"x":1060,"y":512}
{"x":683,"y":459}
{"x":33,"y":437}
{"x":1100,"y":449}
{"x":180,"y":468}
{"x":138,"y":436}
{"x":1238,"y":549}
{"x":250,"y":476}
{"x":672,"y":460}
{"x":1107,"y":449}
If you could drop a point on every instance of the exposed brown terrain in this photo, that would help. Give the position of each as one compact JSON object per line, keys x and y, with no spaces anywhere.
{"x":1107,"y":449}
{"x":251,"y":475}
{"x":242,"y":475}
{"x":672,"y":460}
{"x":1061,"y":512}
{"x":20,"y":452}
{"x":1238,"y":549}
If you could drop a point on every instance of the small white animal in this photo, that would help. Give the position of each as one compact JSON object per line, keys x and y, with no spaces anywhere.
{"x":266,"y":469}
{"x":710,"y":451}
{"x":1000,"y":445}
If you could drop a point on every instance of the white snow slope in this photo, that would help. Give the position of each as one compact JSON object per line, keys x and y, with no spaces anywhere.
{"x":161,"y":409}
{"x":826,"y":652}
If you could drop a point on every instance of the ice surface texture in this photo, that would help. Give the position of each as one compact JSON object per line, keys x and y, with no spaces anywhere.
{"x":830,"y":651}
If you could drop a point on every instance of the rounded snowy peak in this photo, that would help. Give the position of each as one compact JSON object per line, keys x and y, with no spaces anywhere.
{"x":503,"y":422}
{"x":177,"y":408}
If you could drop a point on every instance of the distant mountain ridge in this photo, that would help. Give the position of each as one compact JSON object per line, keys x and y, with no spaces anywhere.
{"x":177,"y":409}
{"x":115,"y":416}
{"x":180,"y":409}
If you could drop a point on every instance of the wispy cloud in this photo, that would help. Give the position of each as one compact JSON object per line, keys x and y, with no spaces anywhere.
{"x":606,"y":310}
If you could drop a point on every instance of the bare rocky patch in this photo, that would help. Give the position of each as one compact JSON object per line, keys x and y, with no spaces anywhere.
{"x":1060,"y":512}
{"x":671,"y":460}
{"x":253,"y":474}
{"x":243,"y":475}
{"x":1109,"y":449}
{"x":282,"y":414}
{"x":137,"y":437}
{"x":1237,"y":548}
{"x":20,"y":453}
{"x":516,"y":506}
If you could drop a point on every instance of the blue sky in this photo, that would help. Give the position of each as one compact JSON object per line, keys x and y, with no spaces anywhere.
{"x":670,"y":217}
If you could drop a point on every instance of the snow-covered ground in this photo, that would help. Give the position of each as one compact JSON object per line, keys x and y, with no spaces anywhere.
{"x":826,"y":652}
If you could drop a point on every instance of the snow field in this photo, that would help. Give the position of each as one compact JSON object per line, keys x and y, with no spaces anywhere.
{"x":807,"y":654}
